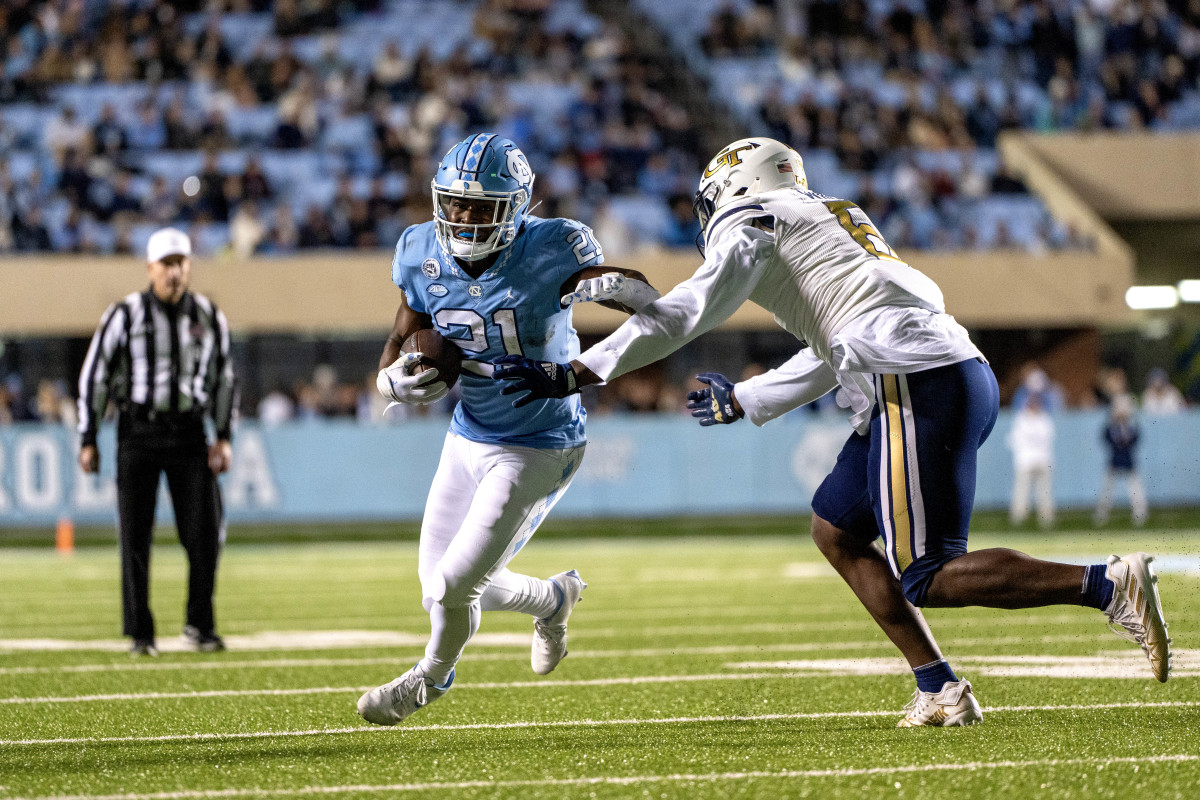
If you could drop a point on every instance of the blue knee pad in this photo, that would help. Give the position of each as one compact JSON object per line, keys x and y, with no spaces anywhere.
{"x":916,"y":579}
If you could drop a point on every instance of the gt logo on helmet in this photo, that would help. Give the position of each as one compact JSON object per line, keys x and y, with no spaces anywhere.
{"x":728,"y":158}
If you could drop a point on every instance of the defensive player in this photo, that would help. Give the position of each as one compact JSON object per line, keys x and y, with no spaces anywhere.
{"x":923,"y":400}
{"x":496,"y":281}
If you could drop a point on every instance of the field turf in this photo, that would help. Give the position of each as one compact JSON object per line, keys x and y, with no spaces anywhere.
{"x":702,"y":666}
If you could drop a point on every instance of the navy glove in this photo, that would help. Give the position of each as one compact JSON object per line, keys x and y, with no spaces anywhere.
{"x":714,"y":405}
{"x":542,"y":379}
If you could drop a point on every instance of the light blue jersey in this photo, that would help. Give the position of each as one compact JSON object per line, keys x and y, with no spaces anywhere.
{"x":512,"y":308}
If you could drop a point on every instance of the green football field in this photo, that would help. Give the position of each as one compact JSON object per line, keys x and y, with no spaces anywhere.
{"x":701,"y":667}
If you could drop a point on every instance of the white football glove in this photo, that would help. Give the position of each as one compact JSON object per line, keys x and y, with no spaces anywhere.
{"x":612,"y":286}
{"x":396,"y":382}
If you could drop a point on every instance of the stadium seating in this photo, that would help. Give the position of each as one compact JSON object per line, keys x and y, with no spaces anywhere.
{"x":387,"y":86}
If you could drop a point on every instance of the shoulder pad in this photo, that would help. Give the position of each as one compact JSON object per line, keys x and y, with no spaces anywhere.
{"x":739,"y":214}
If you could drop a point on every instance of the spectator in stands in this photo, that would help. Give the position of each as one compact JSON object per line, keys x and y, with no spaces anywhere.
{"x":213,"y":133}
{"x":276,"y":407}
{"x":288,"y":135}
{"x":246,"y":230}
{"x":73,"y":179}
{"x":657,"y":177}
{"x":108,"y":136}
{"x":1160,"y":395}
{"x":30,"y":234}
{"x":392,"y":73}
{"x":180,"y":129}
{"x":1031,"y":440}
{"x":211,"y":200}
{"x":52,"y":405}
{"x":315,"y":230}
{"x":1110,"y":385}
{"x":379,"y":205}
{"x":147,"y":132}
{"x":7,"y":411}
{"x":1121,"y":436}
{"x":66,"y":134}
{"x":682,"y":226}
{"x":160,"y":203}
{"x":283,"y":236}
{"x":124,"y":201}
{"x":1035,"y":381}
{"x":254,"y":183}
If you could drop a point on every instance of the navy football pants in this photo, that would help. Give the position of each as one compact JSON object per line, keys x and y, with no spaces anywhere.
{"x":912,"y":481}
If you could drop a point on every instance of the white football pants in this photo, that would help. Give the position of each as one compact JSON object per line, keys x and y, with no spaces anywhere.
{"x":1138,"y":505}
{"x":485,"y":502}
{"x":1040,"y":478}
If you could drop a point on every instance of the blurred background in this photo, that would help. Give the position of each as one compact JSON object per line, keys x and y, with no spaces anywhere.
{"x":1039,"y":160}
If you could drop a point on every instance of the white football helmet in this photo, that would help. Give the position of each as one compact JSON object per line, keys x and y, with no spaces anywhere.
{"x":748,"y":166}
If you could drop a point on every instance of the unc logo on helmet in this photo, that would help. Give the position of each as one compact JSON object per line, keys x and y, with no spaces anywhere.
{"x":481,"y":196}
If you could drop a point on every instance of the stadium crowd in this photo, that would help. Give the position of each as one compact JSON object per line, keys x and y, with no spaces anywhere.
{"x":269,"y":127}
{"x":887,"y":86}
{"x":313,"y":125}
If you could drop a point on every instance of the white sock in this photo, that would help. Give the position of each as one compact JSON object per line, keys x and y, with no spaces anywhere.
{"x":451,"y":629}
{"x":512,"y":591}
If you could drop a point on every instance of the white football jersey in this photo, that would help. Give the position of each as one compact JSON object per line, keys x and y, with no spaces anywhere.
{"x":828,"y":277}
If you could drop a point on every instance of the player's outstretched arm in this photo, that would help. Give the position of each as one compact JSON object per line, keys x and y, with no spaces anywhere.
{"x":612,"y":287}
{"x":539,"y":380}
{"x":714,"y":404}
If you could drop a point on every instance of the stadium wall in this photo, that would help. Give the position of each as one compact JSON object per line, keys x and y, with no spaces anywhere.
{"x":352,"y":292}
{"x":651,"y":466}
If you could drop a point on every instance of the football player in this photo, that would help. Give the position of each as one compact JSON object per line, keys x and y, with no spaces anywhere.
{"x":923,"y":400}
{"x":497,"y":281}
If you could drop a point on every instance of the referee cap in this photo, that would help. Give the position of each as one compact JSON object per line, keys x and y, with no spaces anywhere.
{"x":167,"y":242}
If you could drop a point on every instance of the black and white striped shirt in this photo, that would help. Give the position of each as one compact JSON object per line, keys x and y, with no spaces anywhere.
{"x":158,"y":358}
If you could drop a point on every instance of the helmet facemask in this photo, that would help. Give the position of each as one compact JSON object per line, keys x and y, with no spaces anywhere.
{"x":481,"y":194}
{"x":471,"y":241}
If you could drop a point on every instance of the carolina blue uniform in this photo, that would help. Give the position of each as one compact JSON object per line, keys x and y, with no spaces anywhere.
{"x":512,"y":308}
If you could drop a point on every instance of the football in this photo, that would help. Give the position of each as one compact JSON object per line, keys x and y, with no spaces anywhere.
{"x":436,"y":351}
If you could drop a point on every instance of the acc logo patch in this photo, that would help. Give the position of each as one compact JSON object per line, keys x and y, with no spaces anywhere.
{"x":437,"y":290}
{"x":431,"y":268}
{"x":728,"y":158}
{"x":475,"y":290}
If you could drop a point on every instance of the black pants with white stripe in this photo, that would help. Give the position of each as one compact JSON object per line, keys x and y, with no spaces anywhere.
{"x":145,"y":450}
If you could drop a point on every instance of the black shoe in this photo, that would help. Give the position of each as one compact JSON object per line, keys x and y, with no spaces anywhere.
{"x":143,"y":647}
{"x":202,"y":642}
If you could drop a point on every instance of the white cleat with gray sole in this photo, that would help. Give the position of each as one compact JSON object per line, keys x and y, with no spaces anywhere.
{"x":550,"y":634}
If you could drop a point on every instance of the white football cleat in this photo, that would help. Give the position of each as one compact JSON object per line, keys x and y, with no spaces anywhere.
{"x":953,"y":706}
{"x":394,"y":702}
{"x":550,"y":634}
{"x":1135,"y":612}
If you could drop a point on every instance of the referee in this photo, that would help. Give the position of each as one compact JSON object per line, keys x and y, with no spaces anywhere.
{"x":162,"y":356}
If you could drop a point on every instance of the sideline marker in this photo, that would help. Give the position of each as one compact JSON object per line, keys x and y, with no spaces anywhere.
{"x":64,"y":536}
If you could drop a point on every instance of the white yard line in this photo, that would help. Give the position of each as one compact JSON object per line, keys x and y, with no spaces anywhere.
{"x":94,"y":698}
{"x":1127,"y":664}
{"x":627,"y":780}
{"x":224,"y":662}
{"x":579,"y":723}
{"x":1124,"y":664}
{"x":348,"y":639}
{"x":270,"y":640}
